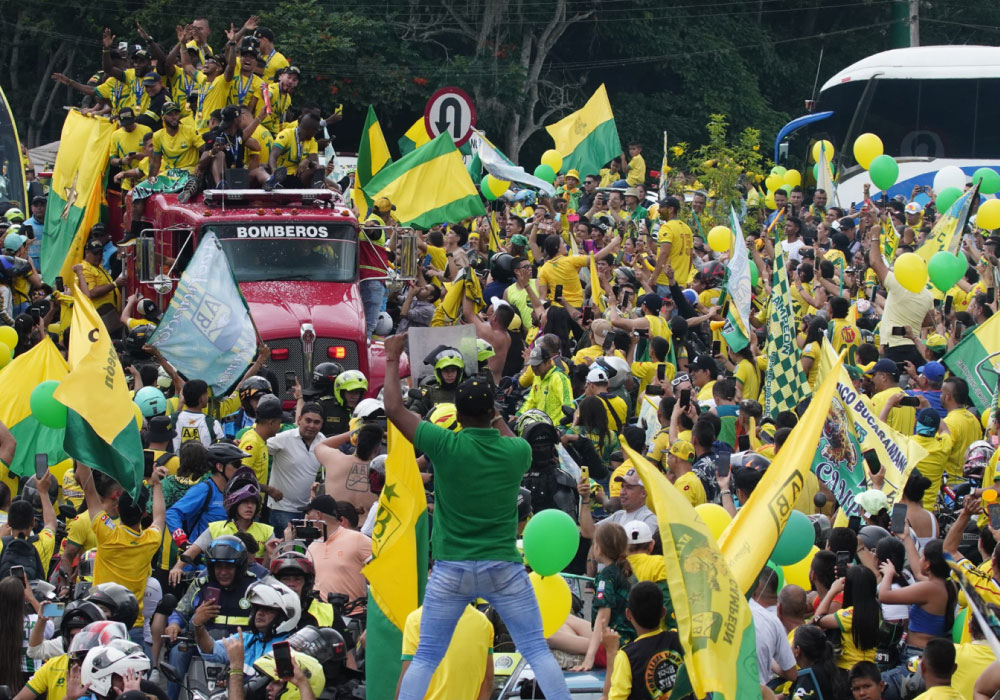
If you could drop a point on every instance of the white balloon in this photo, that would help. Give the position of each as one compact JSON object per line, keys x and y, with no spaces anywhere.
{"x":950,"y":176}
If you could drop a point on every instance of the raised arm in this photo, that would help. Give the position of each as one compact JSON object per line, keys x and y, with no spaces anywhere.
{"x":85,"y":477}
{"x":404,"y":419}
{"x":107,"y":41}
{"x":875,"y":259}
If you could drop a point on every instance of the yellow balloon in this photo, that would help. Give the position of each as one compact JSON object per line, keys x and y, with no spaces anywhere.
{"x":769,"y":201}
{"x":828,"y":147}
{"x":793,"y":178}
{"x":4,"y":353}
{"x":911,"y":272}
{"x":8,"y":336}
{"x":496,"y":186}
{"x":773,"y":182}
{"x":867,"y":148}
{"x":554,"y":600}
{"x":720,"y":239}
{"x":553,"y":159}
{"x":138,"y":415}
{"x":798,"y":573}
{"x":987,"y":218}
{"x":715,"y":516}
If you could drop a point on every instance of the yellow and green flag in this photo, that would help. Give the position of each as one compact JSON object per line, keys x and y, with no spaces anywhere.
{"x":947,"y":232}
{"x":76,"y":193}
{"x":373,"y":155}
{"x":748,"y":540}
{"x":415,"y":137}
{"x":42,"y":363}
{"x":397,"y":572}
{"x":976,"y":359}
{"x":429,"y":185}
{"x":713,"y":619}
{"x":101,"y":428}
{"x":587,"y":138}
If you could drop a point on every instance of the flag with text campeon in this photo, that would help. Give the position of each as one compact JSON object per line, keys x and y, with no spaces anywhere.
{"x":739,"y":290}
{"x":785,"y":383}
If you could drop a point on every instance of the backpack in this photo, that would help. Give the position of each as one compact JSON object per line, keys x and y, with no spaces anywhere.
{"x":18,"y":551}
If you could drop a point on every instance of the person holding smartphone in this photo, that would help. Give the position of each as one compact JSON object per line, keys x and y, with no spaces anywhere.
{"x":888,"y":397}
{"x":903,"y":309}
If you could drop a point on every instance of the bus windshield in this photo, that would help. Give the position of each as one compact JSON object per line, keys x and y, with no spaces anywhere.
{"x":925,"y":118}
{"x":309,"y":252}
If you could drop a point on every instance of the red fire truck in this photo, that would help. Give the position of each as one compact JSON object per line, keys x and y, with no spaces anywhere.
{"x":294,"y":255}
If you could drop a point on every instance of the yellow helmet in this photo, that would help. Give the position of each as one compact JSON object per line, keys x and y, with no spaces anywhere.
{"x":310,"y":667}
{"x":445,"y":415}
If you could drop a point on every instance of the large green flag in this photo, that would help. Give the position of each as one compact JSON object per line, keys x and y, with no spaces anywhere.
{"x":785,"y":383}
{"x":76,"y":194}
{"x":976,"y":359}
{"x":587,"y":138}
{"x":373,"y":155}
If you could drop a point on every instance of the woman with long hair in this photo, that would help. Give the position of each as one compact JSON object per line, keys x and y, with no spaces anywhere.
{"x":922,"y":523}
{"x":12,"y":622}
{"x":859,"y":618}
{"x":894,"y":615}
{"x":811,"y":347}
{"x":612,"y":584}
{"x":817,"y":671}
{"x":591,"y":421}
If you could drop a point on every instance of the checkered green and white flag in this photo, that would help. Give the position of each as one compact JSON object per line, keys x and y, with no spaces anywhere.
{"x":785,"y":383}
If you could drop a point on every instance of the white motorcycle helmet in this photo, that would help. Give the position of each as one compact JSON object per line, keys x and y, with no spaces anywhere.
{"x":116,"y":657}
{"x":383,"y":326}
{"x":621,"y":368}
{"x":271,"y":593}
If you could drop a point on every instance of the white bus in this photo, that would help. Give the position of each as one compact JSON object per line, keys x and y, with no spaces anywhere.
{"x":932,"y":106}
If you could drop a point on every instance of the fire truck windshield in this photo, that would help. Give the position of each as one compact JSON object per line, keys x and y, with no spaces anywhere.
{"x":308,"y":251}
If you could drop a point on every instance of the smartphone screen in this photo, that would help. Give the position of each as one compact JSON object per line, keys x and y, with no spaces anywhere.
{"x":661,"y":372}
{"x":947,"y":305}
{"x":53,"y":609}
{"x":626,"y":298}
{"x":290,"y":380}
{"x":993,"y":511}
{"x":282,"y":659}
{"x":898,"y":330}
{"x":854,"y":522}
{"x":716,"y":347}
{"x":559,"y":292}
{"x":898,"y":523}
{"x":991,"y":295}
{"x":843,"y":561}
{"x":41,"y":465}
{"x":743,"y":443}
{"x":959,"y":329}
{"x":587,"y":314}
{"x":59,"y":284}
{"x":871,"y":457}
{"x":211,"y":595}
{"x":585,"y":472}
{"x":685,"y":398}
{"x":722,"y":465}
{"x":911,"y":401}
{"x":17,"y":572}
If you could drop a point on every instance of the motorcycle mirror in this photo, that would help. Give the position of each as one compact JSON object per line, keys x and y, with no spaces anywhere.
{"x":170,"y":673}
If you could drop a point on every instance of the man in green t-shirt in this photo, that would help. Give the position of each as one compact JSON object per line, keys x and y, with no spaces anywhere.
{"x":477,"y":478}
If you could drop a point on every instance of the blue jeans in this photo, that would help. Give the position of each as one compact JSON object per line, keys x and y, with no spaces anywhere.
{"x":372,"y":294}
{"x":455,"y":584}
{"x":279,"y":520}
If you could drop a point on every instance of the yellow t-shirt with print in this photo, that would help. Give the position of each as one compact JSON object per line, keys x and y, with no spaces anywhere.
{"x":849,"y":653}
{"x":281,"y":102}
{"x":845,"y":335}
{"x":124,"y":142}
{"x":243,"y":89}
{"x":257,"y":457}
{"x":681,"y":240}
{"x":812,"y":351}
{"x":263,"y":137}
{"x":965,"y":429}
{"x":564,"y":270}
{"x":97,"y":276}
{"x":124,"y":555}
{"x":178,"y":151}
{"x":748,"y":378}
{"x":636,"y":171}
{"x":691,"y":488}
{"x":273,"y":63}
{"x":50,"y":679}
{"x":45,"y":545}
{"x":293,"y":150}
{"x":182,"y":86}
{"x":901,"y":418}
{"x":658,"y":450}
{"x":645,"y":372}
{"x":124,"y":93}
{"x":462,"y":669}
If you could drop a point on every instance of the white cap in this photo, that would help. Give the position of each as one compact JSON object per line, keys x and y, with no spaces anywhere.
{"x":597,"y":374}
{"x":638,"y":532}
{"x":497,"y":302}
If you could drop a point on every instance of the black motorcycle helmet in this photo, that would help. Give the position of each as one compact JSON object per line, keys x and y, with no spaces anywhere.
{"x":502,"y":267}
{"x":77,"y":615}
{"x":227,"y":549}
{"x":324,"y":644}
{"x":119,"y":601}
{"x":251,"y":387}
{"x":225,"y":453}
{"x":871,"y":534}
{"x":543,"y":438}
{"x":299,"y":565}
{"x":324,"y":375}
{"x":137,"y":338}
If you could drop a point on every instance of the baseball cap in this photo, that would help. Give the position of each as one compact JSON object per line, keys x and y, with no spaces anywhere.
{"x":928,"y":421}
{"x":884,"y":365}
{"x":294,"y":70}
{"x":39,"y":199}
{"x":652,"y":301}
{"x":169,"y":107}
{"x":703,"y":362}
{"x":150,"y":78}
{"x":269,"y":407}
{"x":682,"y":449}
{"x":913,"y":208}
{"x":600,"y":328}
{"x":497,"y":302}
{"x":383,"y":204}
{"x":13,"y":242}
{"x":630,"y":478}
{"x":325,"y":504}
{"x":932,"y":370}
{"x":14,"y":215}
{"x":519,"y":240}
{"x":638,"y":532}
{"x":474,"y":398}
{"x":229,"y":114}
{"x":264,"y":33}
{"x":573,"y":173}
{"x":936,"y":341}
{"x":99,"y":229}
{"x":597,"y":375}
{"x":94,"y":246}
{"x":538,"y":356}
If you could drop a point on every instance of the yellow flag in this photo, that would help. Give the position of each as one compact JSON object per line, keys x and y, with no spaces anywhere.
{"x":595,"y":287}
{"x":713,"y":620}
{"x":494,"y":233}
{"x":399,"y":540}
{"x":749,"y":539}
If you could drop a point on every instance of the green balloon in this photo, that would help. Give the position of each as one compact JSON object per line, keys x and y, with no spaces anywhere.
{"x":545,"y":172}
{"x":816,"y":171}
{"x":486,"y":191}
{"x":946,"y":197}
{"x":884,"y":172}
{"x":551,"y":539}
{"x":956,"y":630}
{"x":786,"y":188}
{"x":946,"y":269}
{"x":795,"y":540}
{"x":45,"y":408}
{"x":988,"y":179}
{"x":779,"y":170}
{"x":754,"y":275}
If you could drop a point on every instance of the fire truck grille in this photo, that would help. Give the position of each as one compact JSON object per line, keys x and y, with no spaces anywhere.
{"x":296,"y":359}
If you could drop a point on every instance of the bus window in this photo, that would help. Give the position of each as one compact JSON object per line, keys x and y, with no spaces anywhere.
{"x":987,"y":143}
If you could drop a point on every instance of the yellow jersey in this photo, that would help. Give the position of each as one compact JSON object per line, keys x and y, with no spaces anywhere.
{"x":124,"y":555}
{"x":97,"y":276}
{"x":460,"y":673}
{"x":281,"y":102}
{"x":125,"y":142}
{"x":179,"y":150}
{"x":50,"y":679}
{"x":293,"y":149}
{"x":257,"y":457}
{"x":678,"y":234}
{"x":564,"y":270}
{"x":243,"y":89}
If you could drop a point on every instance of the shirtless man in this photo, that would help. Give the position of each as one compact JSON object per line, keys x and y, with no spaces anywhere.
{"x":347,"y":475}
